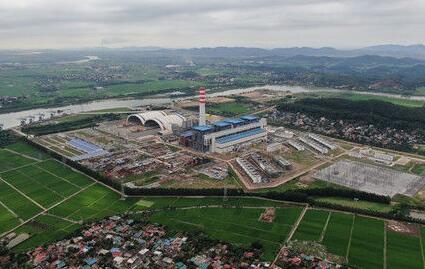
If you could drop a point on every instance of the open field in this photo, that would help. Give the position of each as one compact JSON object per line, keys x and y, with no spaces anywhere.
{"x":24,"y":148}
{"x":93,"y":203}
{"x":237,"y":225}
{"x":65,"y":172}
{"x":365,"y":97}
{"x":338,"y":232}
{"x":16,"y":202}
{"x":9,"y":160}
{"x":229,"y":109}
{"x":165,"y":202}
{"x":43,"y":230}
{"x":367,"y":243}
{"x":7,"y":219}
{"x":356,"y":204}
{"x":403,"y":251}
{"x":45,"y":183}
{"x":311,"y":226}
{"x":45,"y":188}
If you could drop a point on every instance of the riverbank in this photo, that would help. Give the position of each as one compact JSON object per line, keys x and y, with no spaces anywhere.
{"x":13,"y":119}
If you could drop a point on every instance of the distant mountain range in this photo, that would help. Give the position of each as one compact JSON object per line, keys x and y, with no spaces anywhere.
{"x":397,"y":51}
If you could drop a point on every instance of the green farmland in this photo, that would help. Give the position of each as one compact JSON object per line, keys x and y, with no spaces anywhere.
{"x":312,"y":225}
{"x":403,"y":251}
{"x":236,"y":225}
{"x":9,"y":160}
{"x":36,"y":192}
{"x":338,"y":232}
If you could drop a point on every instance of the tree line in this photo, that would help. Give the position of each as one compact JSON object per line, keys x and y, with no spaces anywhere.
{"x":375,"y":112}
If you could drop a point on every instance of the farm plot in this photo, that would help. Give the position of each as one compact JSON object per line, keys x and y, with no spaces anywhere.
{"x":338,"y":231}
{"x":367,"y":243}
{"x":44,"y":188}
{"x":7,"y":220}
{"x":165,"y":202}
{"x":236,"y":225}
{"x":44,"y":229}
{"x":28,"y":150}
{"x":311,"y":226}
{"x":94,"y":202}
{"x":65,"y":172}
{"x":9,"y":160}
{"x":23,"y":207}
{"x":403,"y":251}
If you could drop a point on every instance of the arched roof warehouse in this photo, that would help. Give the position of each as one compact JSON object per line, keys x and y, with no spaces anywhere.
{"x":164,"y":120}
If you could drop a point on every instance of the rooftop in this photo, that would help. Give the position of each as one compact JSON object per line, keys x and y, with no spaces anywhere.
{"x":203,"y":128}
{"x":249,"y":117}
{"x":234,"y":121}
{"x":222,"y":123}
{"x":234,"y":137}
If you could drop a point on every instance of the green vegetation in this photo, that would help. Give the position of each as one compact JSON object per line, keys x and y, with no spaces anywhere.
{"x":403,"y":251}
{"x":44,"y":188}
{"x":44,"y":229}
{"x":367,"y":243}
{"x":7,"y":137}
{"x":418,"y":168}
{"x":395,"y":101}
{"x":378,"y":207}
{"x":9,"y":160}
{"x":7,"y":219}
{"x":420,"y":91}
{"x":148,"y":87}
{"x":78,"y":123}
{"x":311,"y":226}
{"x":66,"y":173}
{"x":236,"y":225}
{"x":229,"y":109}
{"x":16,"y":202}
{"x":372,"y":111}
{"x":95,"y":202}
{"x":177,"y":202}
{"x":366,"y":97}
{"x":24,"y":148}
{"x":338,"y":232}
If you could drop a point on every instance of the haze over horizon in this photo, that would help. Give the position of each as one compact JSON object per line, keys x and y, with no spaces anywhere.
{"x":37,"y":24}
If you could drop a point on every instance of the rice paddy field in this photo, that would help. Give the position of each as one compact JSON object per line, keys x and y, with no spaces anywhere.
{"x":235,"y":225}
{"x":363,"y":242}
{"x":47,"y":199}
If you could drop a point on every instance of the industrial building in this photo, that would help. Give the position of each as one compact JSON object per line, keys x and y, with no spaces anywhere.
{"x":167,"y":121}
{"x":225,"y":135}
{"x":314,"y":145}
{"x":296,"y":145}
{"x":322,"y":141}
{"x":250,"y":170}
{"x":285,"y":164}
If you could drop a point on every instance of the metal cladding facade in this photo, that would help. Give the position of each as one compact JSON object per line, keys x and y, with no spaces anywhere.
{"x":202,"y":100}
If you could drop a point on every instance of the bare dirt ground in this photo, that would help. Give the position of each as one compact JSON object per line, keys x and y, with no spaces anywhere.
{"x":404,"y":228}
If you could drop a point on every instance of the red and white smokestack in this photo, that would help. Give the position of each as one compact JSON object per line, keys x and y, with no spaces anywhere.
{"x":202,"y":100}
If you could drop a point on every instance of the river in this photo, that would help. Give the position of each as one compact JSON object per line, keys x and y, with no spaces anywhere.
{"x":13,"y":119}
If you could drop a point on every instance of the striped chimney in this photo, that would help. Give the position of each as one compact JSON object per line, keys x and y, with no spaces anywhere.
{"x":202,"y":100}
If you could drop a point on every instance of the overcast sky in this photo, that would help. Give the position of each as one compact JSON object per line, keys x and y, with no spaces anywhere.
{"x":210,"y":23}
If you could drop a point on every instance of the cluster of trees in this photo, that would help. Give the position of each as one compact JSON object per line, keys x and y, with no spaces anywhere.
{"x":375,"y":112}
{"x":6,"y":138}
{"x":69,"y":125}
{"x":182,"y":192}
